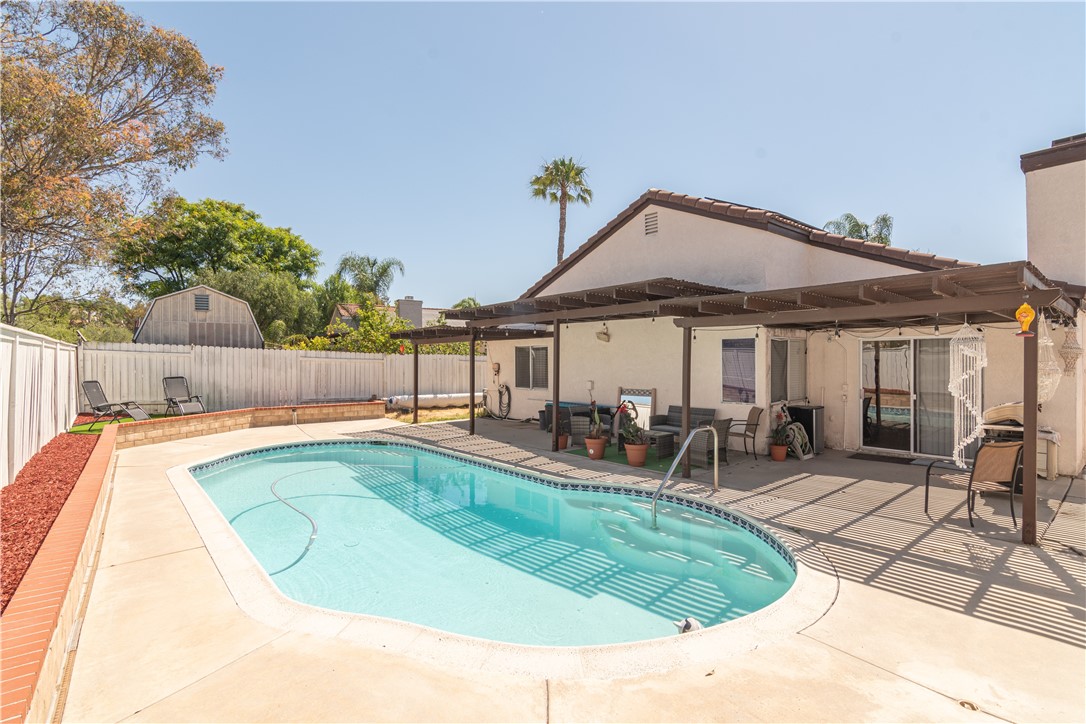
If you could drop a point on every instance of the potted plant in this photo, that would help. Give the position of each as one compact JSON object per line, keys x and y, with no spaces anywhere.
{"x":778,"y":446}
{"x":637,"y":445}
{"x":596,"y":439}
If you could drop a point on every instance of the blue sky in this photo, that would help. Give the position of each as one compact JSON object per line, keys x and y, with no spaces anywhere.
{"x":412,"y":129}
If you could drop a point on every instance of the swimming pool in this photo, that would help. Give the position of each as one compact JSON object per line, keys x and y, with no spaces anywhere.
{"x":406,"y":533}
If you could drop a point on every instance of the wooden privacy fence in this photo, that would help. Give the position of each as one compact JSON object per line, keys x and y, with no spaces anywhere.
{"x":230,"y":378}
{"x":39,"y":384}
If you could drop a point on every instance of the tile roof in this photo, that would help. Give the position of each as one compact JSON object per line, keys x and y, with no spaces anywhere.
{"x":759,"y":218}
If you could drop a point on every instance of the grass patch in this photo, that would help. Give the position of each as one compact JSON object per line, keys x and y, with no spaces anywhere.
{"x":85,"y":428}
{"x":611,"y":454}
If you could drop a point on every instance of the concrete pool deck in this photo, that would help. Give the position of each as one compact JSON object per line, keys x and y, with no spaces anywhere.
{"x":928,"y":613}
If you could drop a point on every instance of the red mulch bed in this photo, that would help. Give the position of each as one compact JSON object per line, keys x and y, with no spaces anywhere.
{"x":30,"y":503}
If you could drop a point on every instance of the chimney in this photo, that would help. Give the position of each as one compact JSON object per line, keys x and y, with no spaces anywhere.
{"x":1056,"y":209}
{"x":410,"y":309}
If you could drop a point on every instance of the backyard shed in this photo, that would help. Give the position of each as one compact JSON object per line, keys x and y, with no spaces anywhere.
{"x":200,"y":316}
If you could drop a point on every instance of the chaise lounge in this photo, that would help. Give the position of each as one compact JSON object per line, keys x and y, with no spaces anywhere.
{"x":102,"y":407}
{"x":179,"y":398}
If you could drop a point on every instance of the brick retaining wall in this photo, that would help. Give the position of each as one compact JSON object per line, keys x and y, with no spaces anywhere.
{"x":166,"y":429}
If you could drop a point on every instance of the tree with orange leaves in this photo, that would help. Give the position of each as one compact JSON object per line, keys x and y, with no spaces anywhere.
{"x":98,"y":110}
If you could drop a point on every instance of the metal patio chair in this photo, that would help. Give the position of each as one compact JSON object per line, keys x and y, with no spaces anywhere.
{"x":102,"y":407}
{"x":995,"y":470}
{"x":180,"y":399}
{"x":748,"y":430}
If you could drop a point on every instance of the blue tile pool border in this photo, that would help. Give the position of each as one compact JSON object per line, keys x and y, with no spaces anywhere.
{"x":712,"y":509}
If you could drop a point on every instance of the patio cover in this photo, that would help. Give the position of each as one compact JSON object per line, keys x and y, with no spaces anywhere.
{"x":979,"y":294}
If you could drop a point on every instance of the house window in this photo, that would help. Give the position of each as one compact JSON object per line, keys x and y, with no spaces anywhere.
{"x":203,"y":302}
{"x":531,"y":370}
{"x":787,"y":370}
{"x":737,"y":362}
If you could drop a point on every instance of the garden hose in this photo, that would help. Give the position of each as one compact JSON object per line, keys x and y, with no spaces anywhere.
{"x":505,"y":401}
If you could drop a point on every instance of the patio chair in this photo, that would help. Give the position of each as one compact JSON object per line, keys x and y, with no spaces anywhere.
{"x":748,"y":430}
{"x":179,"y":399}
{"x":995,"y":470}
{"x":102,"y":407}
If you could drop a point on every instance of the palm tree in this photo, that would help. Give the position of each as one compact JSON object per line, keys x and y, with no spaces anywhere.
{"x":560,"y":182}
{"x":368,"y":275}
{"x":878,"y":231}
{"x":466,"y":303}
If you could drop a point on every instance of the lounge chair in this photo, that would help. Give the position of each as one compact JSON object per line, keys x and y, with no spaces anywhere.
{"x":102,"y":407}
{"x":748,"y":430}
{"x":179,"y":399}
{"x":995,"y":470}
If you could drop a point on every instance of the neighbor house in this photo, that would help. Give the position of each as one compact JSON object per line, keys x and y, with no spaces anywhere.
{"x":408,"y":308}
{"x":776,"y":310}
{"x":199,"y":316}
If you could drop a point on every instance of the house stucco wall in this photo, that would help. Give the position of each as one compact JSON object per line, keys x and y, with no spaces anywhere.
{"x":833,"y":380}
{"x":642,"y":354}
{"x":709,"y":251}
{"x":1056,"y":221}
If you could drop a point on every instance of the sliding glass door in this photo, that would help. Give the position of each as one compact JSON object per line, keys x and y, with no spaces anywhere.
{"x":907,"y":404}
{"x":887,"y":394}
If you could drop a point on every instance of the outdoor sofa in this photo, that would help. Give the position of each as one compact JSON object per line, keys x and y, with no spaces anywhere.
{"x":701,"y":449}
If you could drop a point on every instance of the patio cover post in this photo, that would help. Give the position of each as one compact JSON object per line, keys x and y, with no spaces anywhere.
{"x":415,"y":414}
{"x":471,"y":384}
{"x":687,"y":348}
{"x":1029,"y":447}
{"x":555,"y":419}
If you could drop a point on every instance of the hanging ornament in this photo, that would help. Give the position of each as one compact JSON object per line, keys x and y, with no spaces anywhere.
{"x":968,"y":356}
{"x":1049,"y":370}
{"x":1070,"y":351}
{"x":1025,"y":315}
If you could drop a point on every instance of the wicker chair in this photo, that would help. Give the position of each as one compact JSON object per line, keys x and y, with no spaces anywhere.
{"x":995,"y":470}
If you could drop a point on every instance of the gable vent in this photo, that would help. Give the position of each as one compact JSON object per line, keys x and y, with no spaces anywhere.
{"x":652,"y":223}
{"x":203,"y":302}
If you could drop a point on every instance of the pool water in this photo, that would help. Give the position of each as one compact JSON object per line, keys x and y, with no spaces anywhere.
{"x":404,"y":533}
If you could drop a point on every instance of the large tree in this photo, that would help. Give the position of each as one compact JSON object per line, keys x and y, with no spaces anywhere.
{"x":370,"y":275}
{"x":878,"y":231}
{"x":98,"y":110}
{"x":560,"y":182}
{"x":181,"y":238}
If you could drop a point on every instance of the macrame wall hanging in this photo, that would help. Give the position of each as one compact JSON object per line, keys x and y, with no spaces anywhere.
{"x":1070,"y":351}
{"x":968,"y":356}
{"x":1049,"y":369}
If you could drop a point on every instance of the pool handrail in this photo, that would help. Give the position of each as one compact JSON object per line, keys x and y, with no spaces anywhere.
{"x":679,"y":456}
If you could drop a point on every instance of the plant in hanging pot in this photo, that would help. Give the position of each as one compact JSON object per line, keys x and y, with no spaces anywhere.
{"x":637,"y":445}
{"x":596,"y":439}
{"x":778,"y":445}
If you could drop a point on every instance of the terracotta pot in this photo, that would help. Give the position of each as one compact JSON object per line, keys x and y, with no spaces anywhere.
{"x":563,"y":442}
{"x":595,"y":447}
{"x":778,"y":452}
{"x":635,"y":454}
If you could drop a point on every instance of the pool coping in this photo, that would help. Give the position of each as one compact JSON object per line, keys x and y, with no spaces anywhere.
{"x":811,"y":595}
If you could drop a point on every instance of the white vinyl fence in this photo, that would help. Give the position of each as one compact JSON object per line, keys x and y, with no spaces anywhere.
{"x":39,"y":398}
{"x":230,"y":378}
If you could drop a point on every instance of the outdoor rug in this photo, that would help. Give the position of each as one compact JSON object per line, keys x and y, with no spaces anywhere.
{"x":612,"y":455}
